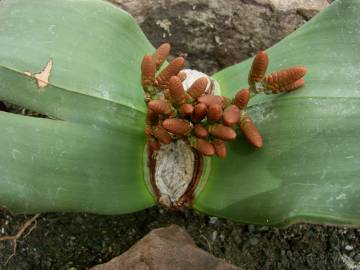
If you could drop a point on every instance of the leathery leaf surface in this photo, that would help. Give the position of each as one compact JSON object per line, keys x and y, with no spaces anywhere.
{"x":309,"y":167}
{"x":91,"y":158}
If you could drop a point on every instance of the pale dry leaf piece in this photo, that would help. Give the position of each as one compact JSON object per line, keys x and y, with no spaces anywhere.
{"x":42,"y":78}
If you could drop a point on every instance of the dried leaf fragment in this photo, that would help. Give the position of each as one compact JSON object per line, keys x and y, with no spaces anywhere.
{"x":42,"y":78}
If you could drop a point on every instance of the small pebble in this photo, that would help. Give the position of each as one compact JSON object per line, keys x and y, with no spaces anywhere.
{"x":357,"y":258}
{"x":254,"y":241}
{"x":251,"y":228}
{"x":213,"y":220}
{"x":214,"y":236}
{"x":222,"y":237}
{"x":349,"y":248}
{"x":263,"y":228}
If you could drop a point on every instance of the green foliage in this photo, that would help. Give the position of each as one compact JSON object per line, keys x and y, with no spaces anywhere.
{"x":308,"y":169}
{"x":91,"y":158}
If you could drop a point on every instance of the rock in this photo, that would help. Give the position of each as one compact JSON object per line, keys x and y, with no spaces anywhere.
{"x":215,"y":34}
{"x":166,"y":248}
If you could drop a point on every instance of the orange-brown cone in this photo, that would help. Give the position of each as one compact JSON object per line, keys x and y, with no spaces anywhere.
{"x":198,"y":88}
{"x":182,"y":76}
{"x":200,"y":131}
{"x":231,"y":115}
{"x":172,"y":69}
{"x":186,"y":109}
{"x":210,"y":100}
{"x":161,"y":54}
{"x":177,"y":92}
{"x":161,"y":134}
{"x":148,"y":130}
{"x":258,"y":68}
{"x":177,"y":126}
{"x":153,"y":143}
{"x":214,"y":113}
{"x":250,"y":132}
{"x":199,"y":113}
{"x":160,"y":106}
{"x":222,"y":132}
{"x":279,"y":80}
{"x":242,"y":98}
{"x":291,"y":87}
{"x":151,"y":118}
{"x":220,"y":148}
{"x":203,"y":146}
{"x":147,"y":71}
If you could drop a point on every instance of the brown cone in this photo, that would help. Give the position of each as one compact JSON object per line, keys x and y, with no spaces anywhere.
{"x":153,"y":143}
{"x":161,"y":54}
{"x":177,"y":126}
{"x":279,"y":80}
{"x":242,"y":98}
{"x":186,"y":109}
{"x":214,"y":113}
{"x":250,"y":132}
{"x":151,"y":118}
{"x":210,"y":100}
{"x":160,"y":106}
{"x":147,"y":72}
{"x":161,"y":134}
{"x":258,"y":68}
{"x":198,"y":88}
{"x":222,"y":132}
{"x":177,"y":92}
{"x":199,"y":113}
{"x":203,"y":146}
{"x":200,"y":131}
{"x":231,"y":115}
{"x":172,"y":69}
{"x":220,"y":148}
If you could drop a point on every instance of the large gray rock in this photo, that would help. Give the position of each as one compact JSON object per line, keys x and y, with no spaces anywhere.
{"x":166,"y":248}
{"x":215,"y":34}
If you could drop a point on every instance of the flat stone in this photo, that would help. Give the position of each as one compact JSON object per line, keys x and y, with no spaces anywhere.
{"x":166,"y":248}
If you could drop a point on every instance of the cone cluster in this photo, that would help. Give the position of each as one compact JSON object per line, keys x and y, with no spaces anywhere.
{"x":204,"y":120}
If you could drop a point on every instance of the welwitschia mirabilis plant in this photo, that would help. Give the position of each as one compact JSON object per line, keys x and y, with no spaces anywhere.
{"x":91,"y":158}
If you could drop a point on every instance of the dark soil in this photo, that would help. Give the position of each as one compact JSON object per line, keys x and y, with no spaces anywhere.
{"x":79,"y":241}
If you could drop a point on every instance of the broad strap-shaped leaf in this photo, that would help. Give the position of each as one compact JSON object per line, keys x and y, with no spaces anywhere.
{"x":49,"y":165}
{"x":94,"y":160}
{"x":309,"y":167}
{"x":96,"y":50}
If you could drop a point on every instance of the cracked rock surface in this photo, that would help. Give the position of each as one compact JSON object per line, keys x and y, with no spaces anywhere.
{"x":215,"y":34}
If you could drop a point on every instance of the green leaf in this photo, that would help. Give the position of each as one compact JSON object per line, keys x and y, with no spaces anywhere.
{"x":49,"y":165}
{"x":309,"y":167}
{"x":96,"y":50}
{"x":93,"y":160}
